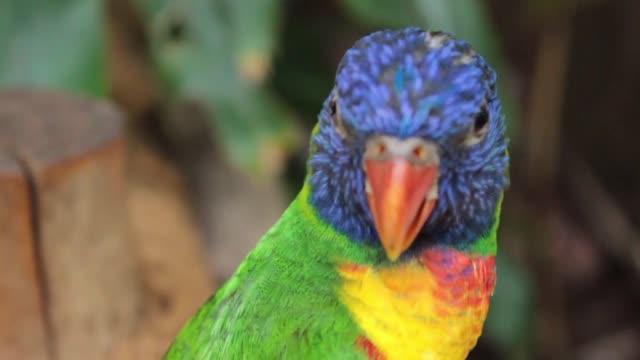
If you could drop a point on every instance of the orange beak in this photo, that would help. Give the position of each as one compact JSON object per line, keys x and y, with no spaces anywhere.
{"x":398,"y":192}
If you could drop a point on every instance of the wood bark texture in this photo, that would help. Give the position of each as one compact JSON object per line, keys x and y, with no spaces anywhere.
{"x":70,"y":271}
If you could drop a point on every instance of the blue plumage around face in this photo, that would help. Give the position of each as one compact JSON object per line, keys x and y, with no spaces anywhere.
{"x":412,"y":83}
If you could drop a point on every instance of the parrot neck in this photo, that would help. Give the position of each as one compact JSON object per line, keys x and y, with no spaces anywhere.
{"x":488,"y":244}
{"x":439,"y":292}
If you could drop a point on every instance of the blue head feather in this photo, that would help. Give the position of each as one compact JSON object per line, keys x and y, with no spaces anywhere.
{"x":412,"y":83}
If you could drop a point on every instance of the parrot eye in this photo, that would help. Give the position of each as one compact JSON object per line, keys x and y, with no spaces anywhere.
{"x":338,"y":122}
{"x":333,"y":107}
{"x":480,"y":127}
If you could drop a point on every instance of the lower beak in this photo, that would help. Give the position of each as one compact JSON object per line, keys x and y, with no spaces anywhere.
{"x":401,"y":196}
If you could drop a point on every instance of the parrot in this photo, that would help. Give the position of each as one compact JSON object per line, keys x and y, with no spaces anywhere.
{"x":388,"y":250}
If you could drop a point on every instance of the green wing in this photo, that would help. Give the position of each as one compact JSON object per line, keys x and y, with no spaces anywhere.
{"x":281,"y":303}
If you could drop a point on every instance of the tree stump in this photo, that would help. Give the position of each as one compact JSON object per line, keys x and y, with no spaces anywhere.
{"x":68,"y":281}
{"x":22,"y":332}
{"x":170,"y":250}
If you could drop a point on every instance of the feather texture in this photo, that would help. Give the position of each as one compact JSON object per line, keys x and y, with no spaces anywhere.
{"x":319,"y":285}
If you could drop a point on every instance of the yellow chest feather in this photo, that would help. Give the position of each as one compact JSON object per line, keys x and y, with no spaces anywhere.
{"x":431,"y":308}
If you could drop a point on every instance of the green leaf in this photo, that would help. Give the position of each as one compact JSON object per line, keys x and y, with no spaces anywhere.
{"x":387,"y":13}
{"x":189,"y":47}
{"x":254,"y":31}
{"x":197,"y":47}
{"x":258,"y":132}
{"x":57,"y":45}
{"x":439,"y":14}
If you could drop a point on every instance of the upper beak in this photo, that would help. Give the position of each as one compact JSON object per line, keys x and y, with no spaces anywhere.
{"x":402,"y":188}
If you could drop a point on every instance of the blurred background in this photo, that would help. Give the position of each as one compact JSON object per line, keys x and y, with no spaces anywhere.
{"x":216,"y":101}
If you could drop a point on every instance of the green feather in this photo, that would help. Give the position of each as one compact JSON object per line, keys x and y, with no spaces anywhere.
{"x":282,"y":302}
{"x":488,"y":244}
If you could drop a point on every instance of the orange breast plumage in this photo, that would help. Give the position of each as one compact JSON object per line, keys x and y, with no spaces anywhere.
{"x":432,"y":307}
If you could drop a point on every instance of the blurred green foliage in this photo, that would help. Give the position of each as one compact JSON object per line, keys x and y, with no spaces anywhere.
{"x":216,"y":52}
{"x":219,"y":54}
{"x":53,"y":44}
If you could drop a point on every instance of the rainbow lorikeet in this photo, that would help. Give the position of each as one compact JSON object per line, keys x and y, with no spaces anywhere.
{"x":388,"y":250}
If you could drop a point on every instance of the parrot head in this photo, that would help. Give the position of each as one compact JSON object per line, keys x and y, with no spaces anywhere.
{"x":410,"y":147}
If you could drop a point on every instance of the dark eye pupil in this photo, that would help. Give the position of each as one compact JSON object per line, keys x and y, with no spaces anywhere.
{"x":332,"y":108}
{"x":481,"y":120}
{"x":337,"y":119}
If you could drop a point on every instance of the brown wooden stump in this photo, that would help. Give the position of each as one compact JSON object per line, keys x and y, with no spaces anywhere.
{"x":170,"y":250}
{"x":68,"y":281}
{"x":22,"y":332}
